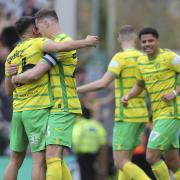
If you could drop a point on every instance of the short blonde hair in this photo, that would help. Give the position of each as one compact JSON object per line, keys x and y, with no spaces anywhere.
{"x":126,"y":32}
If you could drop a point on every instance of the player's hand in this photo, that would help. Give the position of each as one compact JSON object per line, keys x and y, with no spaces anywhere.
{"x":12,"y":69}
{"x":125,"y":100}
{"x":92,"y":40}
{"x":168,"y":97}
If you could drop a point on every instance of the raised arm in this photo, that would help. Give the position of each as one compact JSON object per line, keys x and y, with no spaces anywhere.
{"x":51,"y":46}
{"x":43,"y":66}
{"x":98,"y":84}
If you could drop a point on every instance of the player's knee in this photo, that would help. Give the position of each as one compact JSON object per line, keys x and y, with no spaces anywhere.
{"x":152,"y":157}
{"x":38,"y":161}
{"x":54,"y":151}
{"x":173,"y":163}
{"x":16,"y":159}
{"x":16,"y":163}
{"x":119,"y":162}
{"x":38,"y":158}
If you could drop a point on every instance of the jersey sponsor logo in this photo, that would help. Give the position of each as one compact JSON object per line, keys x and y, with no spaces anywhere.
{"x":176,"y":60}
{"x":155,"y":77}
{"x":114,"y":63}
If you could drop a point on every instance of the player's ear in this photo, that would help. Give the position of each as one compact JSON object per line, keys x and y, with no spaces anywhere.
{"x":35,"y":30}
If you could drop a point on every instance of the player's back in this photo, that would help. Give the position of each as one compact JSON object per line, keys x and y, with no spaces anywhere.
{"x":63,"y":82}
{"x":124,"y":66}
{"x":35,"y":95}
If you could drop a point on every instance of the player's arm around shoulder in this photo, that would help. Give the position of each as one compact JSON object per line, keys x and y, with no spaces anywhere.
{"x":34,"y":74}
{"x":52,"y":46}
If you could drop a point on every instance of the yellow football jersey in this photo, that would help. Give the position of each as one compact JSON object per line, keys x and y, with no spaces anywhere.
{"x":34,"y":95}
{"x":160,"y":77}
{"x":123,"y":65}
{"x":63,"y":82}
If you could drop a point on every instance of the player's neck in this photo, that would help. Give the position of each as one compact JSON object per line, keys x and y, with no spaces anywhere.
{"x":26,"y":36}
{"x":153,"y":56}
{"x":128,"y":44}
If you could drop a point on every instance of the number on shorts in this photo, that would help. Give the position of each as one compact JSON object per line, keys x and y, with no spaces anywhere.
{"x":154,"y":135}
{"x":48,"y":131}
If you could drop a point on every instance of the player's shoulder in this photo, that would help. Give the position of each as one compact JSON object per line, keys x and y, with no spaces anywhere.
{"x":165,"y":50}
{"x":15,"y":52}
{"x":167,"y":53}
{"x":38,"y":39}
{"x":142,"y":57}
{"x":126,"y":55}
{"x":62,"y":37}
{"x":132,"y":54}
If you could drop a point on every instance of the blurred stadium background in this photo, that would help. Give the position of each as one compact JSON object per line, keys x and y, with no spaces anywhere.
{"x":79,"y":18}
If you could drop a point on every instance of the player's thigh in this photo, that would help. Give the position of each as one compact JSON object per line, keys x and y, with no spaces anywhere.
{"x":59,"y":130}
{"x":18,"y":137}
{"x":164,"y":135}
{"x":127,"y":135}
{"x":35,"y":122}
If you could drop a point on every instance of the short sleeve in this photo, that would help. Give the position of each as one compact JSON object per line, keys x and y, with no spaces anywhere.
{"x":39,"y":43}
{"x":6,"y":69}
{"x":116,"y":65}
{"x":174,"y":63}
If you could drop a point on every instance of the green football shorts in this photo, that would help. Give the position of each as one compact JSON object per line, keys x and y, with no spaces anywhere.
{"x":29,"y":127}
{"x":127,"y":135}
{"x":164,"y":135}
{"x":59,"y":129}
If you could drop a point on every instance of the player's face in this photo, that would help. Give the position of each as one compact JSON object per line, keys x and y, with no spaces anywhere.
{"x":149,"y":44}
